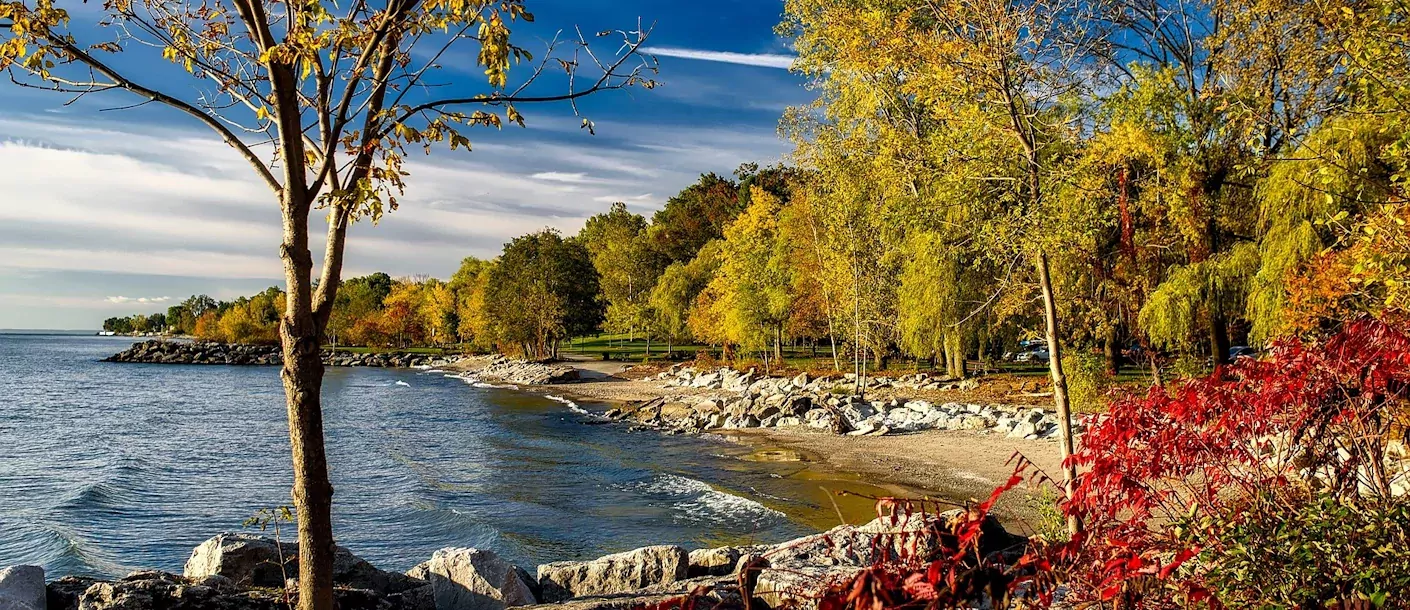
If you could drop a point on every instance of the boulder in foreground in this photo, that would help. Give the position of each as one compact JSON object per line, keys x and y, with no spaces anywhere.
{"x":613,"y":574}
{"x":256,"y":561}
{"x":474,"y":579}
{"x":22,"y":588}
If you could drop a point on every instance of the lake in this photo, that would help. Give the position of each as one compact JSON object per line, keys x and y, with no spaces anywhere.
{"x":106,"y":467}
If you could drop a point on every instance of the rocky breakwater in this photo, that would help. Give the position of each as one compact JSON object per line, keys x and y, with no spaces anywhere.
{"x":246,"y":572}
{"x":504,"y":369}
{"x":196,"y":352}
{"x":747,"y":400}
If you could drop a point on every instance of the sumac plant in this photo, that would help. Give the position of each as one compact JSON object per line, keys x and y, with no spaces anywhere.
{"x":1279,"y":484}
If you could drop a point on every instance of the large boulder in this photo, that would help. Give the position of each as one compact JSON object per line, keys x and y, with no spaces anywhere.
{"x":255,"y":561}
{"x":718,"y":592}
{"x":473,"y":579}
{"x":713,"y":562}
{"x":800,"y":570}
{"x":152,"y":590}
{"x":22,"y":588}
{"x":161,"y":591}
{"x":619,"y":573}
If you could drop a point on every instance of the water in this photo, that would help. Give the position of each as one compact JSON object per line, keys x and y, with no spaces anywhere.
{"x":107,"y":467}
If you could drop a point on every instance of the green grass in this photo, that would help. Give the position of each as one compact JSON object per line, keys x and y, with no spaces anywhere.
{"x":430,"y":351}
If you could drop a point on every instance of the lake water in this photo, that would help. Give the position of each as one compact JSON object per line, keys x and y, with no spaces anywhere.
{"x":107,"y":467}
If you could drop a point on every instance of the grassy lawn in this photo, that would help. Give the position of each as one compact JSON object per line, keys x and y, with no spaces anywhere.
{"x":429,"y":351}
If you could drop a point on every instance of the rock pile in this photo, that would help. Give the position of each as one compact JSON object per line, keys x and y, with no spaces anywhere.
{"x":509,"y":370}
{"x":190,"y":352}
{"x":746,"y":400}
{"x":244,"y":572}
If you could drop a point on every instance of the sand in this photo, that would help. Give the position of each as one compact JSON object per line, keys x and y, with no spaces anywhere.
{"x":954,"y":465}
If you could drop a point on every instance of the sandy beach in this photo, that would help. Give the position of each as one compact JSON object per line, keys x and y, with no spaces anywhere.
{"x":953,"y":465}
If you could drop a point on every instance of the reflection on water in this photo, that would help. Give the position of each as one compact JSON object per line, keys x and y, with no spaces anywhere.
{"x":109,"y":467}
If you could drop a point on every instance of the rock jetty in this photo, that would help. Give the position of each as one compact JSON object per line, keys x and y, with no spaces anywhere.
{"x":497,"y":367}
{"x":193,"y":352}
{"x":747,"y":400}
{"x":246,"y":572}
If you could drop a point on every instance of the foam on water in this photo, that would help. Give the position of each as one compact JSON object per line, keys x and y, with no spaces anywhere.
{"x":403,"y":384}
{"x":571,"y":405}
{"x":697,"y":502}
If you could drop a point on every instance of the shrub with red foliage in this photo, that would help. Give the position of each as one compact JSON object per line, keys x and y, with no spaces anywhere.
{"x":1188,"y":487}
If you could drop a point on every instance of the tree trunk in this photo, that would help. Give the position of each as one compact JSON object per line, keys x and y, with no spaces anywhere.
{"x":1112,"y":350}
{"x":1218,"y":334}
{"x":302,"y":374}
{"x":1069,"y":470}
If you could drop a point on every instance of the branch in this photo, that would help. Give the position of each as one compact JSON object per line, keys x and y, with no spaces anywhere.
{"x":120,"y":81}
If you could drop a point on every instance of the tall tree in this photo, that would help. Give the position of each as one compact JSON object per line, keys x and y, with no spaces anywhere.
{"x":542,"y":290}
{"x":696,"y":215}
{"x":336,"y":89}
{"x":998,"y":71}
{"x":627,"y":266}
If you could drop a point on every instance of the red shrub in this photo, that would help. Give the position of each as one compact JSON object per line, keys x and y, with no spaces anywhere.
{"x":1183,"y":472}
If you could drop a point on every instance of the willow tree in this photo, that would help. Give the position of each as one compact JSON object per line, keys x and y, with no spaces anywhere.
{"x":321,"y":99}
{"x":1234,"y":84}
{"x":995,"y":71}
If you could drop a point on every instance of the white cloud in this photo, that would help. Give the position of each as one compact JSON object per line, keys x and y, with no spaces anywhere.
{"x":641,"y":199}
{"x":765,"y":60}
{"x":571,"y":178}
{"x":143,"y":300}
{"x":130,"y":201}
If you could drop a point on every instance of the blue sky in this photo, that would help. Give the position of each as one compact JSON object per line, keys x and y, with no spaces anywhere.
{"x":117,"y":212}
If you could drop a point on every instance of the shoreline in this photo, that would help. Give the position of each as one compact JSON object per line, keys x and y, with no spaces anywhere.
{"x":948,"y":465}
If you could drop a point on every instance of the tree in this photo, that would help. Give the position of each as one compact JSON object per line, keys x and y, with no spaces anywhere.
{"x":542,"y":290}
{"x":693,"y":217}
{"x":753,"y":286}
{"x":358,"y":299}
{"x":336,"y":89}
{"x":997,"y":75}
{"x":627,"y":266}
{"x":469,"y":284}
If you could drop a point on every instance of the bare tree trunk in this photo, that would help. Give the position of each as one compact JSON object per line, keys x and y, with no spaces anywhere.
{"x":1069,"y":470}
{"x":1112,"y":350}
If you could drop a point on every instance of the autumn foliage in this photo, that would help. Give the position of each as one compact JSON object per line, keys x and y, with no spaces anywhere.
{"x":1280,"y":484}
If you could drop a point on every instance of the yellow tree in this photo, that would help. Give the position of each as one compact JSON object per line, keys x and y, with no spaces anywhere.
{"x":320,"y":98}
{"x":997,"y":75}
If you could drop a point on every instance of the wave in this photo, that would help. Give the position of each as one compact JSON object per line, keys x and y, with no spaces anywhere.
{"x":696,"y":501}
{"x":573,"y":406}
{"x":403,"y":384}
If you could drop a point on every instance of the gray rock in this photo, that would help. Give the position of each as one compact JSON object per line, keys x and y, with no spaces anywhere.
{"x":801,"y":380}
{"x":618,"y":573}
{"x":255,"y":561}
{"x":473,"y":579}
{"x":713,"y":562}
{"x":22,"y":588}
{"x":1023,"y":429}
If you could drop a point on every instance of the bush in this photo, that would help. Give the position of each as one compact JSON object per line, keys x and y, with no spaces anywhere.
{"x":1087,"y":382}
{"x":1273,"y":486}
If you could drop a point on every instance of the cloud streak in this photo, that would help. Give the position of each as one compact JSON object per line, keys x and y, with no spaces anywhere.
{"x":142,"y":300}
{"x":763,"y":60}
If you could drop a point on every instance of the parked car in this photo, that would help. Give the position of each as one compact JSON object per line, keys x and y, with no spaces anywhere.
{"x":1242,"y":351}
{"x":1035,"y":354}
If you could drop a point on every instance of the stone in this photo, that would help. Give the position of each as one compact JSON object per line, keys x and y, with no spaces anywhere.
{"x":474,"y":579}
{"x":713,"y":562}
{"x":801,"y":380}
{"x":1023,"y":429}
{"x":617,"y":573}
{"x":255,"y":561}
{"x":967,"y":384}
{"x":63,"y":593}
{"x":22,"y":588}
